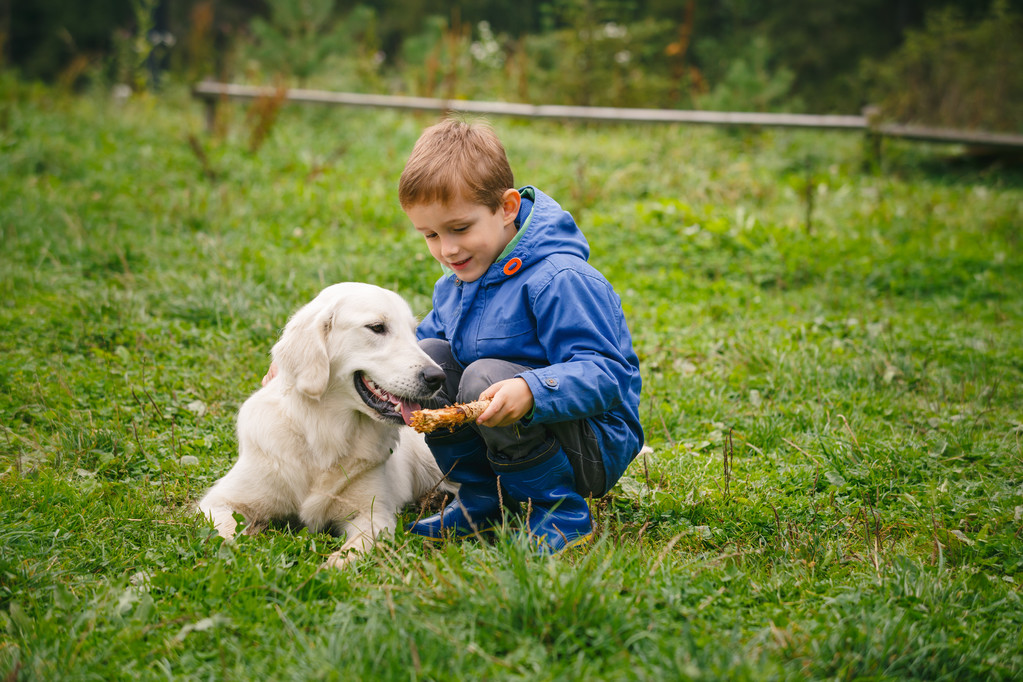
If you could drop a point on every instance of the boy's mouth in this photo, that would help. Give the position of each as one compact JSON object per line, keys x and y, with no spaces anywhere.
{"x":459,"y":265}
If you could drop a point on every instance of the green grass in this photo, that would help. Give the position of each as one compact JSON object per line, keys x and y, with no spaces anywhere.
{"x":835,"y":407}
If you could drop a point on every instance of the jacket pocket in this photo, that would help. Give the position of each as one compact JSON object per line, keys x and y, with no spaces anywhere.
{"x":507,"y":329}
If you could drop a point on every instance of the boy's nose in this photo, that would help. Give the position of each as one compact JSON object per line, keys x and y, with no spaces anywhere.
{"x":448,"y":248}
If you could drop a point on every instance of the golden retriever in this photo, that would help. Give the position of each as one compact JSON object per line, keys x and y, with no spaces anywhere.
{"x":325,"y":442}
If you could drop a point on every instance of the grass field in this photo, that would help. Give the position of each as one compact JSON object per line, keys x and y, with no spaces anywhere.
{"x":833,"y":389}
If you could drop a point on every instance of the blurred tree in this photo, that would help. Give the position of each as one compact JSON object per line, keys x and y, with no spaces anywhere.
{"x":751,"y":83}
{"x":45,"y":35}
{"x":956,"y":72}
{"x":823,"y":43}
{"x":710,"y":45}
{"x":403,"y":19}
{"x":296,"y":38}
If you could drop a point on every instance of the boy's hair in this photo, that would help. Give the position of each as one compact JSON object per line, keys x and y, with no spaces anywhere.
{"x":456,"y":158}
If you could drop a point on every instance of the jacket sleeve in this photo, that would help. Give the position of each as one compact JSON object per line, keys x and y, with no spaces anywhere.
{"x":431,"y":327}
{"x":580,"y":323}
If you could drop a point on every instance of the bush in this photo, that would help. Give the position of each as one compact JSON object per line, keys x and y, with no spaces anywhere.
{"x":605,"y":64}
{"x":956,"y":74}
{"x":750,"y":84}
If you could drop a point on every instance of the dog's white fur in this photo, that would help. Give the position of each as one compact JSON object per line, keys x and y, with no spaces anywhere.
{"x":309,"y":447}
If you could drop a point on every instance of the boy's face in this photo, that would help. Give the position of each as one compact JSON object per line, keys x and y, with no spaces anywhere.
{"x":464,"y":236}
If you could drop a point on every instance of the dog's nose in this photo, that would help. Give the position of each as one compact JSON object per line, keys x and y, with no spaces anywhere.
{"x":433,"y":377}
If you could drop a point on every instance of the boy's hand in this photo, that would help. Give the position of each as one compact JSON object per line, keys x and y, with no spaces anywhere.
{"x":510,"y":401}
{"x":270,"y":373}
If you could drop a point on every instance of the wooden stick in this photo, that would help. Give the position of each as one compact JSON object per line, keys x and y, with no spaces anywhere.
{"x":426,"y":421}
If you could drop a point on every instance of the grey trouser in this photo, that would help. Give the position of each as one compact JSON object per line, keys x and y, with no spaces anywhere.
{"x":517,"y":446}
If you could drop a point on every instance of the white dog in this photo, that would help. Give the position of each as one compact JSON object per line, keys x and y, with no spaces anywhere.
{"x":324,"y":443}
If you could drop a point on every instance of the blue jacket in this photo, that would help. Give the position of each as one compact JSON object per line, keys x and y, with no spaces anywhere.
{"x":556,"y":314}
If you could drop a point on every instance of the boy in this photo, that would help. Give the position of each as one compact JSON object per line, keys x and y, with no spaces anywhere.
{"x":522,"y":319}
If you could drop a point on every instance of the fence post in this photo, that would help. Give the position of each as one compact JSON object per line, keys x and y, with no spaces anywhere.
{"x":872,"y":141}
{"x":209,"y":102}
{"x":210,"y":107}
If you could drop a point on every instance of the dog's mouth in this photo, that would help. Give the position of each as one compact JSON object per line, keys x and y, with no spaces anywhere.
{"x":389,"y":406}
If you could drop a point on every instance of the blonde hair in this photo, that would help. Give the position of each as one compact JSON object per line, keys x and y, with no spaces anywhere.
{"x":456,"y":158}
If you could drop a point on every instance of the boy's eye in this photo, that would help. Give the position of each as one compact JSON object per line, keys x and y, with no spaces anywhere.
{"x":461,"y":229}
{"x":432,"y":235}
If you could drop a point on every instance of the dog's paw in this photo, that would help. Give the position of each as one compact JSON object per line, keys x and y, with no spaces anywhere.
{"x":340,"y":559}
{"x":255,"y":528}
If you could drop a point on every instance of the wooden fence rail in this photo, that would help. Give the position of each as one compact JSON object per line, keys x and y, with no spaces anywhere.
{"x":211,"y":92}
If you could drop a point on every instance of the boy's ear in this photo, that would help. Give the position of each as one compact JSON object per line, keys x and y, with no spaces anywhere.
{"x":511,"y":200}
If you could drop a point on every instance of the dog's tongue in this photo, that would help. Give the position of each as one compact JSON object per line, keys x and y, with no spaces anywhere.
{"x":406,"y":411}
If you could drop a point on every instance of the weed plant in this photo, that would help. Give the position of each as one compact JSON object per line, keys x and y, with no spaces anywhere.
{"x":832,"y":361}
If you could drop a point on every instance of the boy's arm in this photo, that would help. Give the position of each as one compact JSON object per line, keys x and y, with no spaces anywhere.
{"x":581,"y":325}
{"x":431,"y":327}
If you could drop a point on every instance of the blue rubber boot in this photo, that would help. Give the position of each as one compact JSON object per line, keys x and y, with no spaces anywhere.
{"x":462,"y":456}
{"x":559,"y":517}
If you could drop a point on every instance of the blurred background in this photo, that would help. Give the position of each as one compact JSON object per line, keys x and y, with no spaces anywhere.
{"x":951,"y":63}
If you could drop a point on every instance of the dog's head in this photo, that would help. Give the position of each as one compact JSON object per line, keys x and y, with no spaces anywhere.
{"x":358,"y":341}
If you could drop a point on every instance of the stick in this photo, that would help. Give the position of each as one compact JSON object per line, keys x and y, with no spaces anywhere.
{"x":426,"y":421}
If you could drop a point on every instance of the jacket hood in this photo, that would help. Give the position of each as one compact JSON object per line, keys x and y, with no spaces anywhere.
{"x":544,"y":229}
{"x":541,"y":306}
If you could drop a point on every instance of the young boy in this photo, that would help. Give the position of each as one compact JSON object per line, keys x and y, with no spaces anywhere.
{"x":522,"y":319}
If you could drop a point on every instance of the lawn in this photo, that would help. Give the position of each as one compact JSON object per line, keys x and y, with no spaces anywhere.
{"x":832,"y":353}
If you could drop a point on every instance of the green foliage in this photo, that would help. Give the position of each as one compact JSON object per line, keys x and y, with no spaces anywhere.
{"x":296,"y":38}
{"x":590,"y":53}
{"x":802,"y":54}
{"x":750,"y":84}
{"x":835,"y":484}
{"x":956,"y":73}
{"x":301,"y":39}
{"x":604,"y":63}
{"x":131,"y":47}
{"x":435,"y":60}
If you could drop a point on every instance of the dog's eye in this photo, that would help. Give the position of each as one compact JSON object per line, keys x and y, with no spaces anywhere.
{"x":378,"y":328}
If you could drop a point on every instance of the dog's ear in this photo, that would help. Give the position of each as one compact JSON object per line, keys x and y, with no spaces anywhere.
{"x":301,"y":351}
